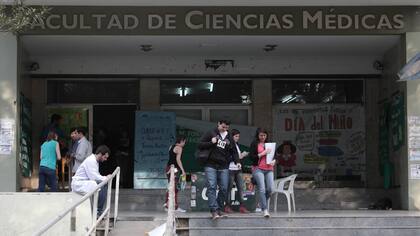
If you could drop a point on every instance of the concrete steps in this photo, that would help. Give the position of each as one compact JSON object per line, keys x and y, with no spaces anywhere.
{"x":306,"y":199}
{"x":342,"y":223}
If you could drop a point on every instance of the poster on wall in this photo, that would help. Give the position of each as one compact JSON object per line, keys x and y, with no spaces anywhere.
{"x":414,"y":171}
{"x":154,"y":133}
{"x":397,"y":118}
{"x":325,"y":140}
{"x":199,"y":199}
{"x":414,"y":138}
{"x":72,"y":117}
{"x":7,"y":136}
{"x":25,"y":157}
{"x":383,"y":149}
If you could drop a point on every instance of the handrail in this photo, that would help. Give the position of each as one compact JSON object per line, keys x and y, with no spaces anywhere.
{"x":170,"y":221}
{"x":94,"y":192}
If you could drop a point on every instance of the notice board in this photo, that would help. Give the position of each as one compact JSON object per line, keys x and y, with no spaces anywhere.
{"x":155,"y":132}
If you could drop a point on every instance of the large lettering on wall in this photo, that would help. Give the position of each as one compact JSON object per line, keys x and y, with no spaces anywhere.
{"x":329,"y":139}
{"x":179,"y":20}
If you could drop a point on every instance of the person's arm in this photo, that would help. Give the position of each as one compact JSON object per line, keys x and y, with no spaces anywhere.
{"x":178,"y":152}
{"x":40,"y":155}
{"x":81,"y":151}
{"x":234,"y":152}
{"x":206,"y":141}
{"x":92,"y":172}
{"x":57,"y":151}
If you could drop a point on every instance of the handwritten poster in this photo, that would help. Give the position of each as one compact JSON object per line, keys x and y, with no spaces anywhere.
{"x":155,"y":132}
{"x":323,"y":140}
{"x":414,"y":138}
{"x":414,"y":171}
{"x":7,"y":135}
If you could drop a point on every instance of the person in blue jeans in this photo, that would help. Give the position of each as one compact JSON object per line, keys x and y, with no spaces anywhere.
{"x":50,"y":153}
{"x":262,"y":171}
{"x":221,"y":148}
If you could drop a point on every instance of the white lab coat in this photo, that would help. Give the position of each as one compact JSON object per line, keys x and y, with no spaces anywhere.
{"x":87,"y":176}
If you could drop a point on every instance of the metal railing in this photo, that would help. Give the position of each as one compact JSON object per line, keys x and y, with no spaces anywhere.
{"x":95,"y":221}
{"x":170,"y":221}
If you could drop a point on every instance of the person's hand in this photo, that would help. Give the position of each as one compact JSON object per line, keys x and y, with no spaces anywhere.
{"x":183,"y":173}
{"x":273,"y":163}
{"x":214,"y":140}
{"x":239,"y":165}
{"x":267,"y":151}
{"x":108,"y":176}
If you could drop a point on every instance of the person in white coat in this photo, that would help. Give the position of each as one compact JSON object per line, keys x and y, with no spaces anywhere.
{"x":87,"y":176}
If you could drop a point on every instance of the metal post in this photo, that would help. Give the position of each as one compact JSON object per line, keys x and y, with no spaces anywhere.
{"x":108,"y":206}
{"x":94,"y":212}
{"x":73,"y":220}
{"x":117,"y":192}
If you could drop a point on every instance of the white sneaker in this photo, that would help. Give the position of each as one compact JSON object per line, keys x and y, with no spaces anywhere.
{"x":258,"y":209}
{"x":180,"y":210}
{"x":266,"y":214}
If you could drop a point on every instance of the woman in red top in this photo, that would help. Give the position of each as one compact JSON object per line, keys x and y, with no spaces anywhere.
{"x":261,"y":171}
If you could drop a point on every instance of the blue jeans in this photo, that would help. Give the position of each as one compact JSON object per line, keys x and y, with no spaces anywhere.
{"x":102,"y":198}
{"x":216,"y":178}
{"x":265,"y":183}
{"x":47,"y":176}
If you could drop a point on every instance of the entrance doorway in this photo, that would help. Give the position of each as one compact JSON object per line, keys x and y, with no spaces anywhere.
{"x":113,"y":125}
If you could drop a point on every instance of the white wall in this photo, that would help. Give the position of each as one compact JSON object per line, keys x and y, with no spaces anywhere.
{"x":24,"y":213}
{"x":195,"y":65}
{"x":8,"y":108}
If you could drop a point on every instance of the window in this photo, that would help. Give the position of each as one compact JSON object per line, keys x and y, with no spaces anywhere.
{"x":321,"y":91}
{"x":205,"y":91}
{"x":77,"y":91}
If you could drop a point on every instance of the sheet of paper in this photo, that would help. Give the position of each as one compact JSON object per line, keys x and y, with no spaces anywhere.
{"x":270,"y":156}
{"x":6,"y":136}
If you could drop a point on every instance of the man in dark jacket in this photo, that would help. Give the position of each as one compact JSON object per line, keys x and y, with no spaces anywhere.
{"x":221,"y":146}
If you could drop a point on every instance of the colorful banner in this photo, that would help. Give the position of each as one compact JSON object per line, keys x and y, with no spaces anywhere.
{"x":199,"y":199}
{"x":326,"y":140}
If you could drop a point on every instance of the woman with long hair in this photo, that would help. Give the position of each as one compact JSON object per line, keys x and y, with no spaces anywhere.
{"x":50,"y":154}
{"x":261,"y":171}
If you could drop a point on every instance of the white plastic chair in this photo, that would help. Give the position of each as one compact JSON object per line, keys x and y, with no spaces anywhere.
{"x":279,"y":188}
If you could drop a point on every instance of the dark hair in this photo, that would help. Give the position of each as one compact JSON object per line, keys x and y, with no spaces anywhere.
{"x":235,"y":132}
{"x":103,"y":149}
{"x":55,"y":118}
{"x":72,"y":129}
{"x":180,"y":138}
{"x":257,"y":133}
{"x":79,"y":130}
{"x":51,"y":135}
{"x":226,"y":122}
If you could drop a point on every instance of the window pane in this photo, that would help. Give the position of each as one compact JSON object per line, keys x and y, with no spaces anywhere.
{"x":93,"y":91}
{"x":186,"y":113}
{"x":322,"y":91}
{"x":239,"y":117}
{"x":210,"y":91}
